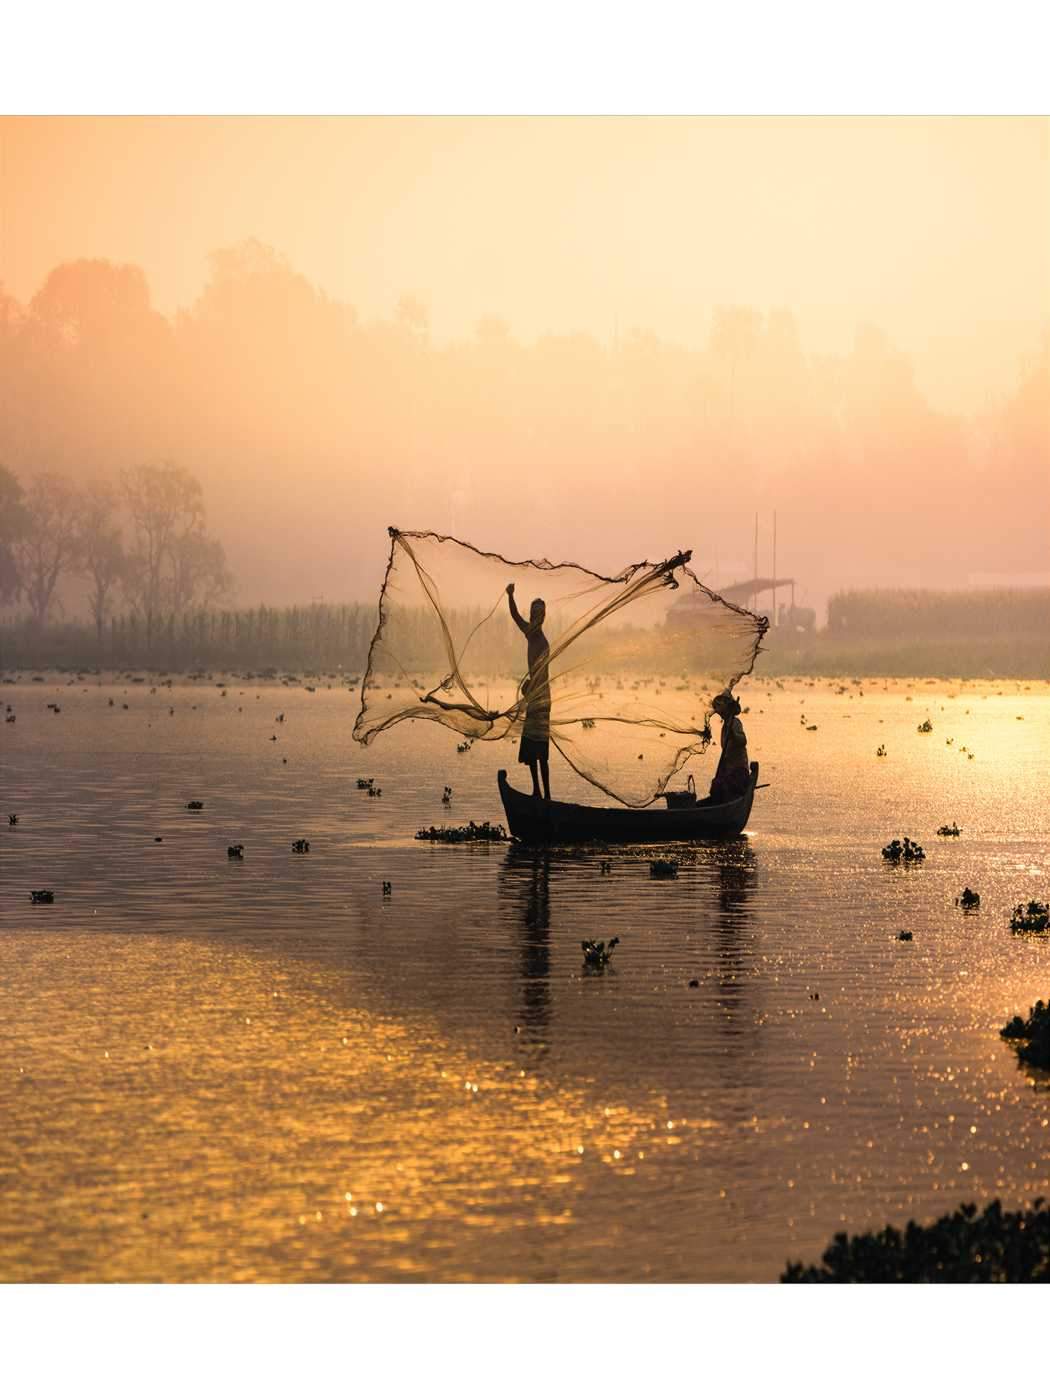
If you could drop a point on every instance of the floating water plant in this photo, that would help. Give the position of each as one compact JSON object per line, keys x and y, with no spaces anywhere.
{"x":597,"y":954}
{"x":300,"y":847}
{"x":586,"y":723}
{"x":952,"y":830}
{"x":995,"y":1247}
{"x":1031,"y":1037}
{"x":42,"y":896}
{"x":926,"y":727}
{"x":969,"y":899}
{"x":446,"y":796}
{"x":364,"y":783}
{"x":12,"y":819}
{"x":195,"y":806}
{"x":1032,"y":917}
{"x":907,"y":851}
{"x":387,"y":887}
{"x":465,"y":747}
{"x":235,"y":852}
{"x":663,"y":870}
{"x":605,"y":866}
{"x":455,"y":835}
{"x":905,"y":935}
{"x":880,"y":752}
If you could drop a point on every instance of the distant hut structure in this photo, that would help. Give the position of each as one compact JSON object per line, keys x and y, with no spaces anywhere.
{"x":746,"y":595}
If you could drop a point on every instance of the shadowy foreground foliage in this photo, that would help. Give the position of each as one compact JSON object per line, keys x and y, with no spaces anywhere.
{"x":995,"y":1247}
{"x":1032,"y":1037}
{"x":1033,"y":917}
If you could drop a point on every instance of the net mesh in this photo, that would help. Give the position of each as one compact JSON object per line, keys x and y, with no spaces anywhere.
{"x":632,"y":663}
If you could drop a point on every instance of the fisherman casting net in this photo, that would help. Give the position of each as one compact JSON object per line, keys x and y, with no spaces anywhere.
{"x":633,"y":661}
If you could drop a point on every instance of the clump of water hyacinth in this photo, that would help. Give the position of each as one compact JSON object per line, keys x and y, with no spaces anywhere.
{"x":969,"y":899}
{"x":908,"y":851}
{"x":925,"y":727}
{"x":597,"y":954}
{"x":952,"y":830}
{"x":663,"y":870}
{"x":1033,"y":917}
{"x":454,"y":835}
{"x":1031,"y":1037}
{"x":996,"y":1246}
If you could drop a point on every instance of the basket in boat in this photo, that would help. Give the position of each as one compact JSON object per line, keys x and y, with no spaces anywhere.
{"x":684,"y":797}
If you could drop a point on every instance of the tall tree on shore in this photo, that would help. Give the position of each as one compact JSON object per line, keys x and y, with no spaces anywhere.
{"x":173,"y":564}
{"x":199,"y":576}
{"x":13,"y":522}
{"x":101,"y":550}
{"x":49,"y":544}
{"x":163,"y":500}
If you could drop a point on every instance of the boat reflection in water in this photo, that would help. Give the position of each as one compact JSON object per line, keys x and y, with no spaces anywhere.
{"x":737,"y":881}
{"x":525,"y":885}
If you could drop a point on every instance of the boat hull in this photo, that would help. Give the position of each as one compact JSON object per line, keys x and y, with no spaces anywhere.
{"x":567,"y":823}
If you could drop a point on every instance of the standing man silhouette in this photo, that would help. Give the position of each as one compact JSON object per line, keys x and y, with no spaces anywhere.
{"x":534,"y":748}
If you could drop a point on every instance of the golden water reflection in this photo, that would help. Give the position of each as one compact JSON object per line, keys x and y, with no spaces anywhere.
{"x":215,"y":1069}
{"x":229,"y":1122}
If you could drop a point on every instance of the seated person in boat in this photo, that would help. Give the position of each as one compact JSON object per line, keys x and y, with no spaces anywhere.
{"x":734,"y":771}
{"x":534,"y":748}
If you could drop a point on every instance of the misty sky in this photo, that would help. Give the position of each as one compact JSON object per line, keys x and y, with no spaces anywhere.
{"x":936,"y":229}
{"x":850,"y":328}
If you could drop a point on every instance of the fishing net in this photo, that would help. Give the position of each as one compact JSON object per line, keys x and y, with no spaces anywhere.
{"x":633,"y":661}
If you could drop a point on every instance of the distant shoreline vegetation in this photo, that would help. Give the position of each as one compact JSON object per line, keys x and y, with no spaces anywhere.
{"x":902,"y":632}
{"x":969,"y":634}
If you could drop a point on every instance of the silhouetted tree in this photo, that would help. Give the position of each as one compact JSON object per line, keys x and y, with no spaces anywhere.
{"x":164,"y":502}
{"x":199,"y":576}
{"x":13,"y":522}
{"x":101,"y":550}
{"x":48,"y":544}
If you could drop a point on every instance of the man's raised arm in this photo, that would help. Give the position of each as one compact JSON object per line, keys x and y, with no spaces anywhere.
{"x":514,"y":610}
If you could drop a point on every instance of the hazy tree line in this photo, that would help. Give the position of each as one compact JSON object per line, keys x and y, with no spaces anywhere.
{"x":311,"y":429}
{"x":914,"y":613}
{"x":876,"y":632}
{"x":139,"y":542}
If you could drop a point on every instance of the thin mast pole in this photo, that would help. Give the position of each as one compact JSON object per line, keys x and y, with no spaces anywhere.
{"x":754,"y":588}
{"x":774,"y":568}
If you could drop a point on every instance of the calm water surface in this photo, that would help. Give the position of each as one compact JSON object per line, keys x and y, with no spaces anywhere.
{"x":265,"y":1070}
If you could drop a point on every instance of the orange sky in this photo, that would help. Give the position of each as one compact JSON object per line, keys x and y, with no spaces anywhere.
{"x":937,"y":229}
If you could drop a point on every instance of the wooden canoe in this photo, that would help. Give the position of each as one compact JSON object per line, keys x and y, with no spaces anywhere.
{"x":534,"y":821}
